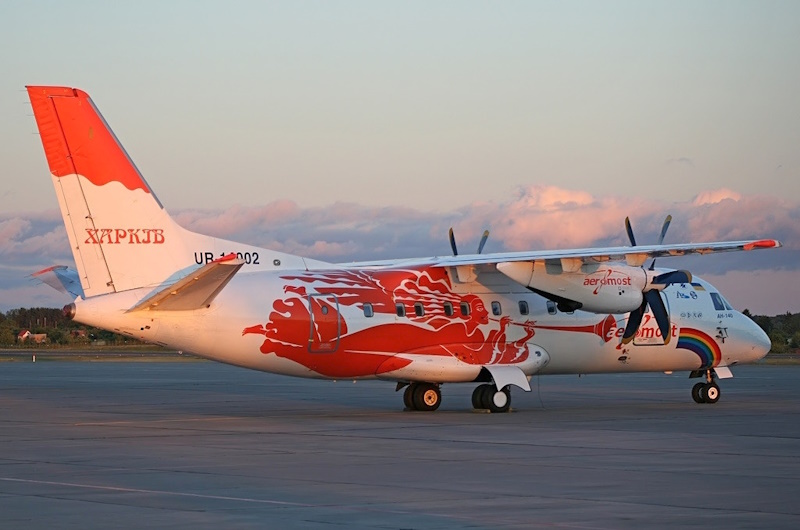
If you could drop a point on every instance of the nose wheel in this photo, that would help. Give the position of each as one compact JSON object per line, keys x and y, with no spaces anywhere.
{"x":708,"y":392}
{"x":705,"y":393}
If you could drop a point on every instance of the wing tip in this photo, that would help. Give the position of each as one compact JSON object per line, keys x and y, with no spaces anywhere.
{"x":763,"y":243}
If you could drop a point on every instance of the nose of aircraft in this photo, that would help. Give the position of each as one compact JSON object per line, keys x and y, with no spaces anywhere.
{"x":758,"y":340}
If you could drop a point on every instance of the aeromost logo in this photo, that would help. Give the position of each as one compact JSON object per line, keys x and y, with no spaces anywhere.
{"x":610,"y":277}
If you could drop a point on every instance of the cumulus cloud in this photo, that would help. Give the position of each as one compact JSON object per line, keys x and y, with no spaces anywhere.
{"x":715,"y":196}
{"x":536,"y":217}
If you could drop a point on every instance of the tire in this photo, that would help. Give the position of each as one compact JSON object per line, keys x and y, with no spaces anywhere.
{"x":426,"y":397}
{"x":711,"y":393}
{"x":408,"y":397}
{"x":697,"y":393}
{"x":499,"y":400}
{"x":485,"y":396}
{"x":476,"y":397}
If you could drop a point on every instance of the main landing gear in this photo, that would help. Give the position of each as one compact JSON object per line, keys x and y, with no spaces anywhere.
{"x":428,"y":396}
{"x":422,"y":396}
{"x":487,"y":396}
{"x":707,"y":392}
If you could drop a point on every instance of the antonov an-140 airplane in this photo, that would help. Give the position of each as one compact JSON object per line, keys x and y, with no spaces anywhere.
{"x":492,"y":319}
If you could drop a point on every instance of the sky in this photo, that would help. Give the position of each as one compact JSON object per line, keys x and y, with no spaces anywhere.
{"x":359,"y":130}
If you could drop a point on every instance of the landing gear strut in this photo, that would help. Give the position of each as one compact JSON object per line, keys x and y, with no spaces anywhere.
{"x":707,"y":392}
{"x":422,"y":396}
{"x":487,"y":396}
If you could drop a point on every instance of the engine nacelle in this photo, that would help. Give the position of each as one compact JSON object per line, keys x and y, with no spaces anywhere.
{"x":597,"y":287}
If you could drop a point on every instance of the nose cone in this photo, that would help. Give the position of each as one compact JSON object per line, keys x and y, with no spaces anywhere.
{"x":758,"y":341}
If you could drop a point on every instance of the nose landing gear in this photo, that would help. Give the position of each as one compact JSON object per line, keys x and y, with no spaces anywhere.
{"x":708,"y":392}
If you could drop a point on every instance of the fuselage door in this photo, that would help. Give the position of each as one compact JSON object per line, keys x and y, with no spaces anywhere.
{"x":325,"y":323}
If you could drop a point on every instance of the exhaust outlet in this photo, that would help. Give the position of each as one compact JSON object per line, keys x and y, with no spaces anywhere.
{"x":69,"y":311}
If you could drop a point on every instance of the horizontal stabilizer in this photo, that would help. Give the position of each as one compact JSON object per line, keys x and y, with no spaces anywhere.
{"x":61,"y":278}
{"x":195,"y":290}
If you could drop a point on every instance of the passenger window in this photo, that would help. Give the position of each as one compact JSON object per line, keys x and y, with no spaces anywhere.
{"x":464,"y":307}
{"x":523,"y":307}
{"x":419,"y":310}
{"x":551,"y":307}
{"x":718,"y":304}
{"x":368,"y":311}
{"x":401,"y":309}
{"x":496,"y":309}
{"x":448,"y":309}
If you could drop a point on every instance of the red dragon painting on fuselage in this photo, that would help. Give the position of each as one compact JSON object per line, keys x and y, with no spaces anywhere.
{"x":472,"y":338}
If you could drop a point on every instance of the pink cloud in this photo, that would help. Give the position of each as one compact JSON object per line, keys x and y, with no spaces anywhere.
{"x":536,"y":217}
{"x":715,"y":196}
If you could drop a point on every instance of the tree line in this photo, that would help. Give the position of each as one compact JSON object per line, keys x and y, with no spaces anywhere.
{"x":783,"y":330}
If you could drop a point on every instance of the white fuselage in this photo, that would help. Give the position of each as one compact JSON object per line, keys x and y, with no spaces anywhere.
{"x":345,"y":324}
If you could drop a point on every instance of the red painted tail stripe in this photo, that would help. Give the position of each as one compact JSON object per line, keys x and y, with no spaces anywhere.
{"x":76,"y":139}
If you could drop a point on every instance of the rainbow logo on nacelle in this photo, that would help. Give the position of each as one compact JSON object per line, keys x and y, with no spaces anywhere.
{"x":702,"y":344}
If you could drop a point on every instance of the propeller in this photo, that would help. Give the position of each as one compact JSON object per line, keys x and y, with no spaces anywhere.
{"x":651,"y":294}
{"x":652,"y":298}
{"x":481,"y":244}
{"x":630,"y":231}
{"x":664,"y":227}
{"x":453,"y":242}
{"x":484,"y":237}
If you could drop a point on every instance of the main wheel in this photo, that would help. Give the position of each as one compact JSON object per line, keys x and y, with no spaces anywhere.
{"x":499,"y":400}
{"x":408,"y":397}
{"x":476,"y":397}
{"x":697,"y":393}
{"x":484,"y":393}
{"x":711,"y":393}
{"x":426,"y":397}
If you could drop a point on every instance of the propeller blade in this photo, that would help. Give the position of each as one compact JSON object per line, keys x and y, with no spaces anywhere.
{"x":483,"y":241}
{"x":453,"y":242}
{"x":659,"y":312}
{"x":668,"y":278}
{"x":664,"y":227}
{"x":634,"y":321}
{"x":630,"y":232}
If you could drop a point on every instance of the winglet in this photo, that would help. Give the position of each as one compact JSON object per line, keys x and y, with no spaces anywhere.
{"x":196,"y":290}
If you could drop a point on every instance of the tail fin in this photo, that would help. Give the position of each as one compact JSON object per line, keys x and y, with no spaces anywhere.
{"x":121,"y":236}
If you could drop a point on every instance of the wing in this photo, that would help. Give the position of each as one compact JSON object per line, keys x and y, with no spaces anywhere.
{"x":634,"y":256}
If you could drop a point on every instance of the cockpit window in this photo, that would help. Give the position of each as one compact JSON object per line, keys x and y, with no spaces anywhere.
{"x":720,"y":304}
{"x":727,"y":305}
